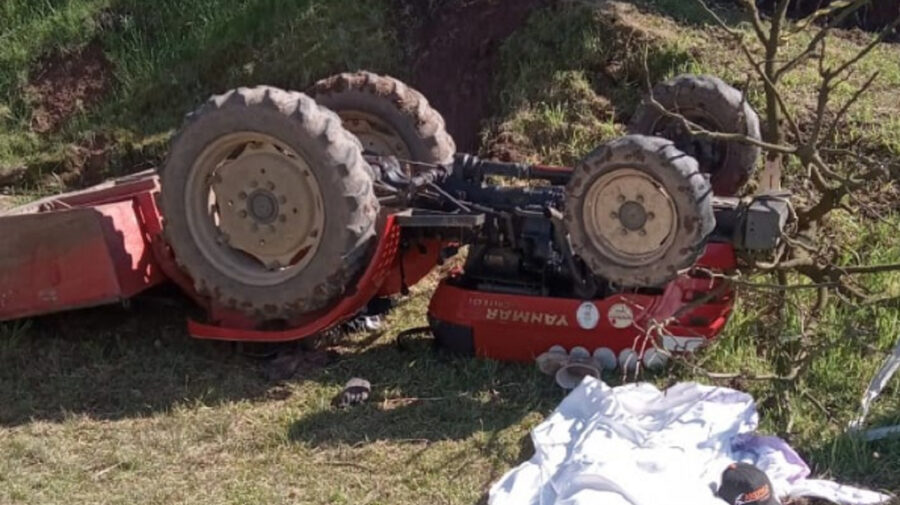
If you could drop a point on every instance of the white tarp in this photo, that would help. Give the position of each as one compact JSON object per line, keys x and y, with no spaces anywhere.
{"x":636,"y":445}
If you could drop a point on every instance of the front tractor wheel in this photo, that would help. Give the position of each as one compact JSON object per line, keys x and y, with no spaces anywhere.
{"x":268,"y":203}
{"x":638,"y":211}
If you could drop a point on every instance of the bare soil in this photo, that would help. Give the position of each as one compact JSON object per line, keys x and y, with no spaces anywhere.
{"x":87,"y":162}
{"x":453,"y":48}
{"x":64,"y":83}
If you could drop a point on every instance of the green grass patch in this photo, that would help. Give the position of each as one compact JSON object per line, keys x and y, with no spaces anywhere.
{"x":169,"y":56}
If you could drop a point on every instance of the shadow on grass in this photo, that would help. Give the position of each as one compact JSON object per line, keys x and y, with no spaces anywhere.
{"x":423,"y":396}
{"x":114,"y":363}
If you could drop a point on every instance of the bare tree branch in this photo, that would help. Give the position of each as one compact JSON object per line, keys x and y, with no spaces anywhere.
{"x":832,"y":130}
{"x":845,"y":9}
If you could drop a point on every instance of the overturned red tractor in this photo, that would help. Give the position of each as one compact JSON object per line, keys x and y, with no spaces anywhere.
{"x":284,"y":214}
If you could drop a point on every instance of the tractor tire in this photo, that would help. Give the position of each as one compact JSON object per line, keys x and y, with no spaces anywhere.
{"x":388,"y":117}
{"x":716,"y":106}
{"x":274,"y":244}
{"x":638,"y":211}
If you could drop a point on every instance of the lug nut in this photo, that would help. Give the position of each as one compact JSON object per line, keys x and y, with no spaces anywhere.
{"x":642,"y":233}
{"x":242,"y":195}
{"x":272,"y":228}
{"x":282,"y":218}
{"x":640,"y":198}
{"x":651,"y":216}
{"x":282,"y":199}
{"x":271,"y":186}
{"x":243,"y":214}
{"x":614,"y":215}
{"x":621,"y":198}
{"x":624,"y":231}
{"x":254,"y":184}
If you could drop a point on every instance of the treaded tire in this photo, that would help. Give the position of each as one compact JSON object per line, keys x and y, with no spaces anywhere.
{"x":671,"y":169}
{"x":715,"y":98}
{"x":403,"y":109}
{"x":333,"y":155}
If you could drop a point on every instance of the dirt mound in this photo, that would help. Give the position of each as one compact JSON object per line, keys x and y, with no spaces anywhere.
{"x":453,"y":51}
{"x":86,"y":162}
{"x":64,"y":83}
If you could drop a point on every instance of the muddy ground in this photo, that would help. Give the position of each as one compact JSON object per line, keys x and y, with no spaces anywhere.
{"x":64,"y":83}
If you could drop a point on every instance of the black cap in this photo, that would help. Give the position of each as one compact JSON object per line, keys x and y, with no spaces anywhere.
{"x":744,"y":484}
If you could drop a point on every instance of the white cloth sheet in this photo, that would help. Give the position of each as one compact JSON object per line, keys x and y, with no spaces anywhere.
{"x":637,"y":445}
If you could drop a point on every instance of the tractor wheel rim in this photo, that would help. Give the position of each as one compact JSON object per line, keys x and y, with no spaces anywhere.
{"x":711,"y":155}
{"x":376,"y":136}
{"x":630,"y":217}
{"x":255,"y":208}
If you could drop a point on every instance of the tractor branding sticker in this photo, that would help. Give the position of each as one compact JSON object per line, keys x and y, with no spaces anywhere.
{"x":528,"y":317}
{"x":483,"y":302}
{"x":587,"y":315}
{"x":620,"y":316}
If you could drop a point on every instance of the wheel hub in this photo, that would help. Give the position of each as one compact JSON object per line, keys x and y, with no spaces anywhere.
{"x":267,"y":205}
{"x":256,"y":208}
{"x":630,"y":216}
{"x":262,"y":206}
{"x":375,"y":135}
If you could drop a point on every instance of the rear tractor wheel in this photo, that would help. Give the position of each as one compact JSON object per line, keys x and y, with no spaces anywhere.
{"x":715,"y":106}
{"x":268,"y":203}
{"x":638,"y":211}
{"x":388,"y":117}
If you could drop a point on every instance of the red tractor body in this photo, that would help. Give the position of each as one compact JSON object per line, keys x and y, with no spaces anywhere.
{"x":520,"y":327}
{"x":105,"y":245}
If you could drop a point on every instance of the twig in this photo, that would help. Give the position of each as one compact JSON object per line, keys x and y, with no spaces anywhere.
{"x":819,"y":37}
{"x":815,"y":401}
{"x":843,"y":111}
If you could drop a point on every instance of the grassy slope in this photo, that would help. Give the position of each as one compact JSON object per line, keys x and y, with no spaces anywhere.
{"x":170,"y":55}
{"x":119,"y":406}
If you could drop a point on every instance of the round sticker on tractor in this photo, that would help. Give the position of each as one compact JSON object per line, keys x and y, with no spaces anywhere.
{"x":587,"y":315}
{"x":620,"y":316}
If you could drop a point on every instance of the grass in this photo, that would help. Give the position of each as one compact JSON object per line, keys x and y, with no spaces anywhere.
{"x":167,"y":57}
{"x":118,"y":405}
